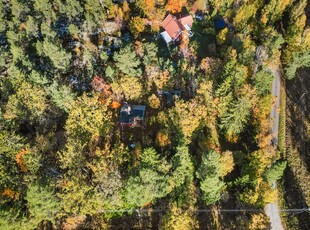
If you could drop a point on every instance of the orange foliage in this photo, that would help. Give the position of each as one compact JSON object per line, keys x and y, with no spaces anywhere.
{"x":264,"y":137}
{"x":102,"y":100}
{"x":147,"y":204}
{"x":10,"y":193}
{"x":148,"y":6}
{"x":126,"y":10}
{"x":162,"y":139}
{"x":156,"y":18}
{"x":175,"y":6}
{"x":73,"y":222}
{"x":77,"y":51}
{"x":115,"y":105}
{"x":198,"y":5}
{"x":139,"y":48}
{"x":184,"y":41}
{"x":19,"y":157}
{"x":22,"y":26}
{"x":99,"y":85}
{"x":262,"y":115}
{"x":211,"y":66}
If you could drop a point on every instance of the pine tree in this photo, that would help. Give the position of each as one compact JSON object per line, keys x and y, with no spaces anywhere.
{"x":275,"y":172}
{"x":262,"y":82}
{"x":182,"y":166}
{"x":58,"y":56}
{"x":151,"y":181}
{"x":128,"y":62}
{"x":209,"y":173}
{"x":42,"y":203}
{"x":61,"y":96}
{"x":298,"y":60}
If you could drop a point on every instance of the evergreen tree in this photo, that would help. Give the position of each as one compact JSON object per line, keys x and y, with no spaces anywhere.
{"x":182,"y":166}
{"x":58,"y":56}
{"x":275,"y":172}
{"x":42,"y":204}
{"x":128,"y":62}
{"x":61,"y":96}
{"x":262,"y":82}
{"x":298,"y":60}
{"x":209,"y":173}
{"x":44,"y":9}
{"x":234,"y":121}
{"x":150,"y":182}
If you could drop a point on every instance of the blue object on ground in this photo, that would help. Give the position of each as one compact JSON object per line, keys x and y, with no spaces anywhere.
{"x":220,"y":24}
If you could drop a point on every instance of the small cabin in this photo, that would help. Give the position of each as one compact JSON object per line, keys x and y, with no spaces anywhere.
{"x":170,"y":96}
{"x":132,"y":115}
{"x":174,"y":27}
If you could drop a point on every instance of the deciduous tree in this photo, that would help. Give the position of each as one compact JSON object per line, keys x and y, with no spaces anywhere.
{"x":177,"y":218}
{"x":129,"y":87}
{"x":187,"y":116}
{"x":88,"y":118}
{"x":154,"y":101}
{"x":175,"y":6}
{"x":29,"y":103}
{"x":259,"y":222}
{"x":136,"y":25}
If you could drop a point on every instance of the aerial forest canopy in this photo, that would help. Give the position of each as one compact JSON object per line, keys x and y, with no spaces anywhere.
{"x":199,"y":135}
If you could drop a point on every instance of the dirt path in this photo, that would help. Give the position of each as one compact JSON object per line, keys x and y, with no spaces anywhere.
{"x":272,"y":209}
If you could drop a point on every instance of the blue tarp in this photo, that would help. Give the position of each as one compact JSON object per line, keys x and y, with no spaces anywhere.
{"x":220,"y":24}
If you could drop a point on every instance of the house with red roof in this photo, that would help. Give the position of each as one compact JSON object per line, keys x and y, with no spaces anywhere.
{"x":174,"y":27}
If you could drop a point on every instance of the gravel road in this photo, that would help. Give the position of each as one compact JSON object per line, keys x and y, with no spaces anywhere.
{"x":272,"y":209}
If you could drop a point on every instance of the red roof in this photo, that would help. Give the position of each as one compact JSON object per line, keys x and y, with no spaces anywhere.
{"x":187,"y":20}
{"x":174,"y":26}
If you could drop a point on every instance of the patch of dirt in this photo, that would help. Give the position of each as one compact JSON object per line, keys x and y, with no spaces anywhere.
{"x":296,"y":176}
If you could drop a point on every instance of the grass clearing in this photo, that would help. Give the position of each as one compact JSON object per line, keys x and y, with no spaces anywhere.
{"x":282,"y":122}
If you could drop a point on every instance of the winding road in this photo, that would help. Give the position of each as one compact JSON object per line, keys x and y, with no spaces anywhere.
{"x":272,"y":209}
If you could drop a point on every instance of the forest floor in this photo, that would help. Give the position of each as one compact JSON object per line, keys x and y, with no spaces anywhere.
{"x":296,"y":180}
